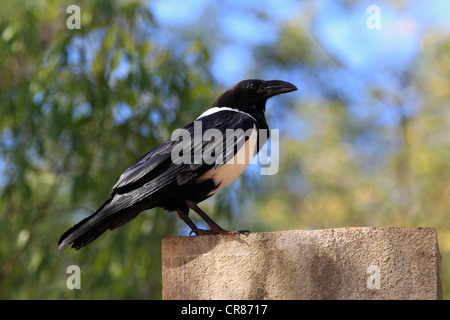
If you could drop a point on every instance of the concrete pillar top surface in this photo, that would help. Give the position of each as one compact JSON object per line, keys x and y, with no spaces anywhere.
{"x":342,"y":263}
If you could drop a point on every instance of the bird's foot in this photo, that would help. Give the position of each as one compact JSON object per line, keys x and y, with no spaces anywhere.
{"x":199,"y":232}
{"x":245,"y":232}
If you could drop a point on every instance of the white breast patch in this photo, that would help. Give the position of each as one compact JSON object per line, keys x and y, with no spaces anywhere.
{"x":225,"y":174}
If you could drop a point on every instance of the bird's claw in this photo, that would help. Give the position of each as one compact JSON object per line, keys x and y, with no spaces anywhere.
{"x":200,"y":232}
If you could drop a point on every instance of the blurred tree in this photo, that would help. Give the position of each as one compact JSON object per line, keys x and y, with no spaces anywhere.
{"x":77,"y":108}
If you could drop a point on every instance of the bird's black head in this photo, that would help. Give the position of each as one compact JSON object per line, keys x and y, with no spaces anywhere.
{"x":252,"y":93}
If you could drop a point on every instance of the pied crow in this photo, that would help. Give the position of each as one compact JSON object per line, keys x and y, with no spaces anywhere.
{"x":190,"y":166}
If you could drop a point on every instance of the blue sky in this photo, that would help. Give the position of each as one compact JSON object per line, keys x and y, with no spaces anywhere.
{"x":344,"y":32}
{"x":239,"y":25}
{"x":371,"y":57}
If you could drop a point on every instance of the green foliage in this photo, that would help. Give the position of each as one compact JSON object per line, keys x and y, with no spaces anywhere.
{"x":78,"y":107}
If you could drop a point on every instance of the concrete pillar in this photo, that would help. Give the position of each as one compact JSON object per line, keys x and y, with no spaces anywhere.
{"x":344,"y":263}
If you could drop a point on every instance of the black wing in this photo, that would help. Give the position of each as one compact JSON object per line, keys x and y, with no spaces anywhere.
{"x":154,"y":178}
{"x":156,"y":169}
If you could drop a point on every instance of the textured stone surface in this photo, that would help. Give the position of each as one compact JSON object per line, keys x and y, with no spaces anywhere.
{"x":344,"y":263}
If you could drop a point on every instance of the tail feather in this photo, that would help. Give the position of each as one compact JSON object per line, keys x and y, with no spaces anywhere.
{"x":90,"y":228}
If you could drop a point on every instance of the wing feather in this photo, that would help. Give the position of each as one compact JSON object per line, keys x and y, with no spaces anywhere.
{"x":156,"y":171}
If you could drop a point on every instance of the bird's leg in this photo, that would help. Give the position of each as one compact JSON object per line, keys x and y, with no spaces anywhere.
{"x":184,"y":216}
{"x":215,"y":228}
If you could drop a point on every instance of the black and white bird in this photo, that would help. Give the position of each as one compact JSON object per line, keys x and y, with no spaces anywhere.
{"x":165,"y":178}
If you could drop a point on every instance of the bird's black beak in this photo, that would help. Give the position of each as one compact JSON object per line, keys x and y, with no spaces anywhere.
{"x":272,"y":88}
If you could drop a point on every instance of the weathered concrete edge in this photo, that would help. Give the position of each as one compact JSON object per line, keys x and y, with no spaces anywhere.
{"x":179,"y":240}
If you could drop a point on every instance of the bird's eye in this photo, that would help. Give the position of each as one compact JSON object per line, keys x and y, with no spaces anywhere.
{"x":252,"y":86}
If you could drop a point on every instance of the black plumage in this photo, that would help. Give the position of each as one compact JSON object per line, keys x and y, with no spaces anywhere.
{"x":156,"y":180}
